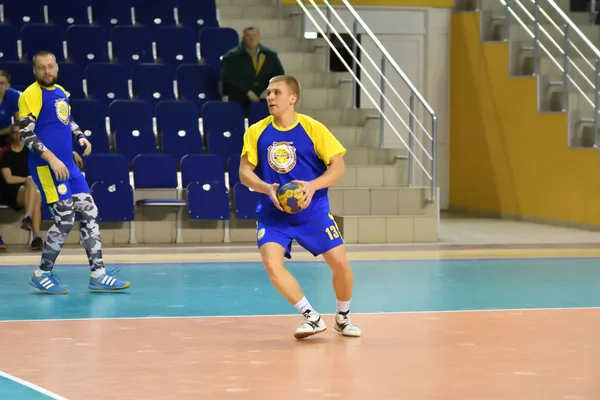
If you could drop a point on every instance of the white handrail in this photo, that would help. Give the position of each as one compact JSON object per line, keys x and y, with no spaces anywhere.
{"x":429,"y":156}
{"x":325,"y":36}
{"x":572,"y":26}
{"x":366,"y":54}
{"x":568,"y":31}
{"x":355,"y":58}
{"x":388,"y":56}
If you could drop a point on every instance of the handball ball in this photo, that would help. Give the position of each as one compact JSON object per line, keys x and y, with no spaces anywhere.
{"x":287,"y":198}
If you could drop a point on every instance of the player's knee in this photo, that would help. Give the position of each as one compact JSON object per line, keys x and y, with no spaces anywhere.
{"x":64,"y":214}
{"x":337,"y":260}
{"x":273,"y":265}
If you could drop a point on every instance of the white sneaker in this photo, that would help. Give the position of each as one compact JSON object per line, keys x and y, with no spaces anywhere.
{"x":345,"y":326}
{"x":313,"y":324}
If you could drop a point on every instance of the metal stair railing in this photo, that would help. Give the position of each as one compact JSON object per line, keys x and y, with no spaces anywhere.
{"x":567,"y":31}
{"x":386,"y":59}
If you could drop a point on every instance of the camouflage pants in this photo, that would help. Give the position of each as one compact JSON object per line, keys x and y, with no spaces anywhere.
{"x":64,"y":218}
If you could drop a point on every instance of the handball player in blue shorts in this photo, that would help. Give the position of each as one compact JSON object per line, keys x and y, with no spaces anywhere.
{"x":290,"y":147}
{"x":47,"y":129}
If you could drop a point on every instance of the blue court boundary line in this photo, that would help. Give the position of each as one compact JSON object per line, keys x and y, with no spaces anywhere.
{"x":297,"y":315}
{"x":419,"y":260}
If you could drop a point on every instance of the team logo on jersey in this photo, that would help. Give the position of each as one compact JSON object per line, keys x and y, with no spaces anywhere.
{"x":282,"y":156}
{"x":62,"y":110}
{"x":261,"y":233}
{"x":62,"y":188}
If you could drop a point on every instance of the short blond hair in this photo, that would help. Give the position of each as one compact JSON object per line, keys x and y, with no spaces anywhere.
{"x":290,"y":81}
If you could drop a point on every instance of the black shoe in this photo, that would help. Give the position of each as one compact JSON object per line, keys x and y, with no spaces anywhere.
{"x":26,"y":224}
{"x":37,"y":244}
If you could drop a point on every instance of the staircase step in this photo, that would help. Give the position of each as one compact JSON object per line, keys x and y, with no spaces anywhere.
{"x":375,"y":176}
{"x":388,"y":228}
{"x":373,"y":156}
{"x":324,"y":97}
{"x":340,"y":116}
{"x":380,"y":201}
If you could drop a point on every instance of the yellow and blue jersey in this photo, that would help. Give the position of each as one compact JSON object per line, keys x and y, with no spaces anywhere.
{"x":50,"y":107}
{"x":300,"y":152}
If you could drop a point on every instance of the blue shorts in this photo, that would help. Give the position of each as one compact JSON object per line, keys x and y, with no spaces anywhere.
{"x":52,"y":190}
{"x":317,"y":235}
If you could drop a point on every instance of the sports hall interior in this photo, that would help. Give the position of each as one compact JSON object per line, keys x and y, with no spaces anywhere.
{"x":469,"y":207}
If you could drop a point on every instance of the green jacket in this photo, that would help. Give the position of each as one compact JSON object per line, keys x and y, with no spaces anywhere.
{"x":240,"y":76}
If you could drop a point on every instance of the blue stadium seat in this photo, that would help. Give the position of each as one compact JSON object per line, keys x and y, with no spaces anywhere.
{"x":8,"y":44}
{"x":37,"y":37}
{"x":245,"y":201}
{"x":223,"y":128}
{"x":70,"y":77}
{"x":131,"y":122}
{"x":156,"y":171}
{"x":222,"y":115}
{"x":110,"y":13}
{"x":107,"y":82}
{"x":156,"y":14}
{"x":176,"y":46}
{"x":131,"y":45}
{"x":215,"y":43}
{"x":153,"y":83}
{"x":114,"y":201}
{"x":208,"y":201}
{"x":202,"y":168}
{"x":19,"y":12}
{"x":87,"y":44}
{"x":132,"y":114}
{"x":108,"y":168}
{"x":21,"y":74}
{"x":65,"y":13}
{"x":91,"y":115}
{"x":233,"y":170}
{"x":225,"y":142}
{"x":197,"y":83}
{"x":257,"y":111}
{"x":178,"y":127}
{"x":197,"y":14}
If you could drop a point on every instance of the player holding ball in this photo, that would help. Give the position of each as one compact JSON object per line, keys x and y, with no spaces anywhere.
{"x":292,"y":159}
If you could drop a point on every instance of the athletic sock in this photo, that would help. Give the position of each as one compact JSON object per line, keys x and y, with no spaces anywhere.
{"x":343,"y":307}
{"x":98,"y":272}
{"x":303,"y":306}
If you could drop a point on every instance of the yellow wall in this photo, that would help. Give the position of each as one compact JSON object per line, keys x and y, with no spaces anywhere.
{"x":387,"y":3}
{"x":504,"y":156}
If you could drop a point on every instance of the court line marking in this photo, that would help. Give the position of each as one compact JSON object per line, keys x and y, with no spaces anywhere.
{"x":31,"y":386}
{"x":378,"y":260}
{"x":384,"y":313}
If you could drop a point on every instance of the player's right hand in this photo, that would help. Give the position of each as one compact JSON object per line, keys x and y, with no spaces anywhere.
{"x":273,"y":195}
{"x":60,"y":171}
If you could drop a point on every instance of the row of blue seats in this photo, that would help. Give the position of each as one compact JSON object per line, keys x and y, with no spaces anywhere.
{"x":192,"y":13}
{"x":177,"y":122}
{"x":131,"y":45}
{"x":107,"y":82}
{"x":205,"y":202}
{"x":202,"y":176}
{"x":159,"y":171}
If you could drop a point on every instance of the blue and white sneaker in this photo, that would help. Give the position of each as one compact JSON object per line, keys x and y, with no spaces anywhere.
{"x":47,"y":282}
{"x":108,"y":282}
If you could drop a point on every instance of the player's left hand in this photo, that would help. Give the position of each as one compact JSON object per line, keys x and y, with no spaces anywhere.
{"x":88,"y":146}
{"x":308,"y":188}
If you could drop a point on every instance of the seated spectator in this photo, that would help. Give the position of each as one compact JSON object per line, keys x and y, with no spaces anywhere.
{"x":248,"y":68}
{"x":9,"y":107}
{"x":19,"y":191}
